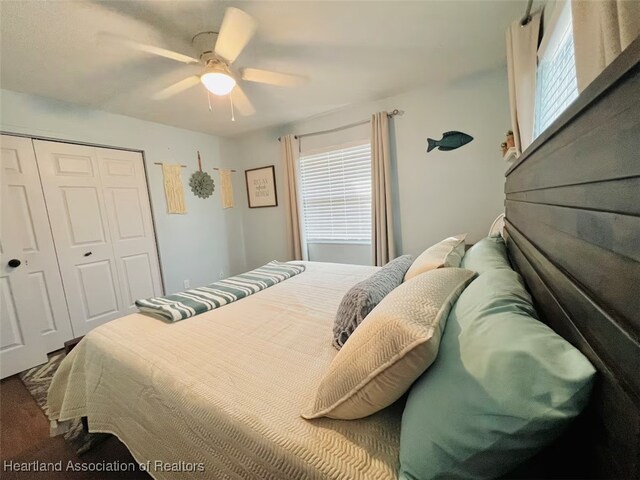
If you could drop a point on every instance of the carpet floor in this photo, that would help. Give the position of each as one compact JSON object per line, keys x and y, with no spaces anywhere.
{"x":24,"y":437}
{"x":38,"y":380}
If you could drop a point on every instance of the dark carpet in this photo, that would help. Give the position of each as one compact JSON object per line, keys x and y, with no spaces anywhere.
{"x":24,"y":438}
{"x":37,"y":380}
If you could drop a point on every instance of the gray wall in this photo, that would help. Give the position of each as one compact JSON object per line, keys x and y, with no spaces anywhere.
{"x":437,"y":194}
{"x":199,"y":246}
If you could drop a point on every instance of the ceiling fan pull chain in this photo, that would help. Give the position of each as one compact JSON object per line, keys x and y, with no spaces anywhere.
{"x":233,"y":116}
{"x":209,"y":99}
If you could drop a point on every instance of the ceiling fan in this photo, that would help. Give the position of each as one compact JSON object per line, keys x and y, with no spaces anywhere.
{"x":216,"y":57}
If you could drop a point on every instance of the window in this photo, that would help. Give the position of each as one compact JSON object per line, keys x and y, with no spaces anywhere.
{"x":557,"y":85}
{"x":336,"y":195}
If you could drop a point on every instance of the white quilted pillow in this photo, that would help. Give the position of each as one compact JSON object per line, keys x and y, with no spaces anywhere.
{"x":391,"y":348}
{"x":447,"y":253}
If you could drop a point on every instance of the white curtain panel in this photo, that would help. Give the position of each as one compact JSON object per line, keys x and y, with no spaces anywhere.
{"x":381,"y":215}
{"x":289,"y":154}
{"x":602,"y":29}
{"x":522,"y":51}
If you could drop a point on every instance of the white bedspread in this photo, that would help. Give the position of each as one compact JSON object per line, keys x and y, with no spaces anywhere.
{"x":226,"y":388}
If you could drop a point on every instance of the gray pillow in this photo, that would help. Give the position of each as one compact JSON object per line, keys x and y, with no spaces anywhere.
{"x":364,"y":296}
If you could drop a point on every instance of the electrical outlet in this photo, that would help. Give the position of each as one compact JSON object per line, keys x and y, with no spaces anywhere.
{"x":221,"y":274}
{"x":187,"y":283}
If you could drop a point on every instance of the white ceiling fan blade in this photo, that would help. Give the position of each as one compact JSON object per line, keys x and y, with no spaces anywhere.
{"x":235,"y":32}
{"x":176,"y":88}
{"x":273,"y":78}
{"x":242,"y":102}
{"x":142,"y":47}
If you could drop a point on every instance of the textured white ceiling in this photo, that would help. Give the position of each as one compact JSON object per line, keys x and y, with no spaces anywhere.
{"x":353,"y":51}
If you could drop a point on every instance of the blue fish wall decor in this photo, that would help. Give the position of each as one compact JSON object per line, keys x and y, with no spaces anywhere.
{"x":449,"y":141}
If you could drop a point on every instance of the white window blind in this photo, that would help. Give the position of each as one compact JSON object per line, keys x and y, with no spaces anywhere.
{"x":336,"y":195}
{"x":557,"y":85}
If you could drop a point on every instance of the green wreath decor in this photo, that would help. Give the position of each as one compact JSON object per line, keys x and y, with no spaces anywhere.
{"x":201,"y":184}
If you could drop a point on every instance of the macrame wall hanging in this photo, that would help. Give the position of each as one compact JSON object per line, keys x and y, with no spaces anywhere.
{"x":201,"y":182}
{"x":173,"y":190}
{"x":226,"y":187}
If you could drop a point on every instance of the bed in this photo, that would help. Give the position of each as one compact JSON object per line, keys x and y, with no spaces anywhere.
{"x":225,"y":389}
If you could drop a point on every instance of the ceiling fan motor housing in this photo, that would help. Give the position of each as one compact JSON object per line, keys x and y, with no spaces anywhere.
{"x":204,"y":43}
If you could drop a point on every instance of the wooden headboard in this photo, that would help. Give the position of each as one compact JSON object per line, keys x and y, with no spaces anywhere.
{"x":573,"y":232}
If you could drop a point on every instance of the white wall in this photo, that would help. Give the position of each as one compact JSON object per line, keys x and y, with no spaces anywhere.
{"x":436,"y":194}
{"x":197,"y":246}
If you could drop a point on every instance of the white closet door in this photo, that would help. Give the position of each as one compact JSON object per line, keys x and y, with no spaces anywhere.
{"x":131,"y":228}
{"x":78,"y":214}
{"x":33,"y":311}
{"x":101,"y":223}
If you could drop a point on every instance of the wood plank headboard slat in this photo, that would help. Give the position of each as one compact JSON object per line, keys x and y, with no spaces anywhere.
{"x":591,"y":196}
{"x":615,"y":286}
{"x":613,"y":139}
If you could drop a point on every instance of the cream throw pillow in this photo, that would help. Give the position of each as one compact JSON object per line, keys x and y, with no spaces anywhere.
{"x":447,"y":253}
{"x":391,"y":348}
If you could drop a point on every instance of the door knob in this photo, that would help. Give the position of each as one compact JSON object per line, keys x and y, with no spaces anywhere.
{"x":14,"y":263}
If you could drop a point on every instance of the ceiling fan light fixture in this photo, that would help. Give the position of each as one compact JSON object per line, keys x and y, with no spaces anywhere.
{"x":218,"y":83}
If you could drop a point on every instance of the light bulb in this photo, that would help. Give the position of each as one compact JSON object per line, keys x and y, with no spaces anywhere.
{"x":218,"y":83}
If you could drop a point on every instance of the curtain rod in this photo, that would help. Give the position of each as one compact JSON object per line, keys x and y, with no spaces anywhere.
{"x":344,"y":127}
{"x":527,"y":14}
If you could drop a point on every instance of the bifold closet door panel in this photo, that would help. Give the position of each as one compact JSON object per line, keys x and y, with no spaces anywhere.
{"x":33,"y":313}
{"x":78,"y":214}
{"x":130,"y":224}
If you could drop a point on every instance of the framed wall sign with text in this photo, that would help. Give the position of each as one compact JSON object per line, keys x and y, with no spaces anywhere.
{"x":261,"y":187}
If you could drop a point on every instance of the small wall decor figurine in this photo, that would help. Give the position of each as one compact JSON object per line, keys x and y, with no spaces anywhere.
{"x":449,"y":141}
{"x":510,"y":140}
{"x":201,"y":182}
